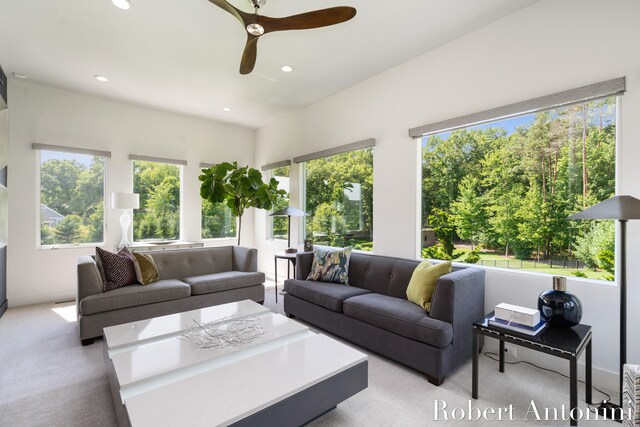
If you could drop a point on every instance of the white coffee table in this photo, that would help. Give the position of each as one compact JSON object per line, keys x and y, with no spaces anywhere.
{"x":287,"y":376}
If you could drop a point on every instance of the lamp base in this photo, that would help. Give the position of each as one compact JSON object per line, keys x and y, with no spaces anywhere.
{"x":125,"y":221}
{"x":610,"y":411}
{"x":290,"y":251}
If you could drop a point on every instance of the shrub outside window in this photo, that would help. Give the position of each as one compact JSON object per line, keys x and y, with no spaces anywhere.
{"x":217,"y":221}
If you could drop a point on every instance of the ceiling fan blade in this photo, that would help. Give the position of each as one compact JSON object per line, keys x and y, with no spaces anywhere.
{"x":249,"y":55}
{"x":244,"y":17}
{"x":305,"y":21}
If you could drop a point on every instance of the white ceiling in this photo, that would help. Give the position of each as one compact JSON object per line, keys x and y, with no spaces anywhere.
{"x":184,"y":55}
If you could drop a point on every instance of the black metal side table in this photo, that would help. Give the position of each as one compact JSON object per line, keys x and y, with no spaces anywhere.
{"x":290,"y":257}
{"x":566,"y":343}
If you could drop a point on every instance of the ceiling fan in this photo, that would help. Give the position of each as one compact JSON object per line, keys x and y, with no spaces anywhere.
{"x":257,"y":25}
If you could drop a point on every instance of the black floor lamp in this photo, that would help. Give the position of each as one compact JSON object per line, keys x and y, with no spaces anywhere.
{"x":621,"y":208}
{"x":289,"y":212}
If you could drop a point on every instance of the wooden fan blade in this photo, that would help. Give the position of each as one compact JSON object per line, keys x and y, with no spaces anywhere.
{"x":244,"y":17}
{"x":309,"y":20}
{"x":249,"y":55}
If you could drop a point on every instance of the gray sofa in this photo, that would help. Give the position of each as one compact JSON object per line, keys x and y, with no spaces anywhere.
{"x":189,"y":279}
{"x":374,"y":312}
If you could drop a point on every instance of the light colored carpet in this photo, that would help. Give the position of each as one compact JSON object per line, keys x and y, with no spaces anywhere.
{"x":48,"y":378}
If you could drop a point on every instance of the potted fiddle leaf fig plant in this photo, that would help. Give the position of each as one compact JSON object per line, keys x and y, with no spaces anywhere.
{"x":239,"y":188}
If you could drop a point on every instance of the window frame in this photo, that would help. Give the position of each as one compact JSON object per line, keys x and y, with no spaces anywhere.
{"x":105,"y":216}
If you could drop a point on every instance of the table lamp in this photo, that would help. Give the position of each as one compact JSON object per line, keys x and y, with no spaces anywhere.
{"x":125,"y":201}
{"x":289,"y":212}
{"x":621,"y":208}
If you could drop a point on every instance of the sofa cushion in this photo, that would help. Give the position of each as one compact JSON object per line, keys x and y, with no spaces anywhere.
{"x":135,"y":295}
{"x":399,"y":316}
{"x":224,"y":281}
{"x":327,"y":295}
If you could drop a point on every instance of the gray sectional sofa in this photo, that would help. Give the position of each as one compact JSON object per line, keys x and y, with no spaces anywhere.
{"x":189,"y":279}
{"x":374,"y":312}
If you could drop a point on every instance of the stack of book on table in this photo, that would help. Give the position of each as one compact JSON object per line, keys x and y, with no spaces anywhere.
{"x":517,"y":319}
{"x":631,"y":396}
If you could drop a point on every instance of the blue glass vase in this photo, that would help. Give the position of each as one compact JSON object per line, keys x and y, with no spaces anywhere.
{"x":559,"y":307}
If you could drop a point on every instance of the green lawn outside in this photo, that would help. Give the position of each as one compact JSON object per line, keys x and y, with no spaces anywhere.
{"x":512,"y":263}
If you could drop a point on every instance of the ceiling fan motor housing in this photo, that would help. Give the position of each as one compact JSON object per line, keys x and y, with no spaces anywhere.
{"x":258,"y":3}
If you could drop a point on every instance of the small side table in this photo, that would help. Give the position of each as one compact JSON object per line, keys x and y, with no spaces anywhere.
{"x":290,"y":258}
{"x":566,"y":343}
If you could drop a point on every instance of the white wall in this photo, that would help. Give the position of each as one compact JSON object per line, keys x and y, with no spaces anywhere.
{"x":53,"y":116}
{"x":548,"y":47}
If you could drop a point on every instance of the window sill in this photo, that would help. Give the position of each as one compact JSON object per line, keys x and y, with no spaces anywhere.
{"x":219,"y":239}
{"x":71,"y":246}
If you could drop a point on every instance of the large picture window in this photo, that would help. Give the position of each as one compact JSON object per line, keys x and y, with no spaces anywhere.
{"x":217,"y":221}
{"x":499,"y":194}
{"x":278,"y":224}
{"x":158,"y":185}
{"x":339,"y":199}
{"x":71,"y":198}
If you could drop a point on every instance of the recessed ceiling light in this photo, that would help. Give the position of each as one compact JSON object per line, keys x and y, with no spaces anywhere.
{"x":20,"y":76}
{"x":122,"y":4}
{"x":287,"y":68}
{"x":102,"y":79}
{"x":227,"y":109}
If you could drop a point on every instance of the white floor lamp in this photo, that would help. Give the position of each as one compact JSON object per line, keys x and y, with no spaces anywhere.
{"x":125,"y":201}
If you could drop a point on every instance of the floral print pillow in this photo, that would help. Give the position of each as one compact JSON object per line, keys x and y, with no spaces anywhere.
{"x":330,"y":265}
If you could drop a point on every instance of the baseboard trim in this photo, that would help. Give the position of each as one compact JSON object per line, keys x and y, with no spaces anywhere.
{"x":42,"y":298}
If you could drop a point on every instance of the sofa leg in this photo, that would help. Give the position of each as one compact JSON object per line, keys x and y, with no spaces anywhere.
{"x":88,"y":341}
{"x":290,"y":316}
{"x":261,"y":302}
{"x":435,"y":381}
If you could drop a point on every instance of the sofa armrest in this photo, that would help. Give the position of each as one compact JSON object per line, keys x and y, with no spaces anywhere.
{"x":245,"y":259}
{"x":303,"y":265}
{"x":89,"y":278}
{"x":459,"y":300}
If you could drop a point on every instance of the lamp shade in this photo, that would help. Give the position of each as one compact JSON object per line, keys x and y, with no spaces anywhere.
{"x":125,"y":201}
{"x":289,"y":211}
{"x":617,"y":207}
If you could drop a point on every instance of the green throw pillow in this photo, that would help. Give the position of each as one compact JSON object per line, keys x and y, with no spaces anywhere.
{"x":146,"y":269}
{"x":330,"y":265}
{"x":423,"y":282}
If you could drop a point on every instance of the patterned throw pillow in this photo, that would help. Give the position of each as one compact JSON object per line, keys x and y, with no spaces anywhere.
{"x":146,"y":269}
{"x":330,"y":265}
{"x":118,"y":269}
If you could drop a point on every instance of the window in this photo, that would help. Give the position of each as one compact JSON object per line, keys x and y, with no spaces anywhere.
{"x":71,"y":198}
{"x":278,"y":224}
{"x":217,"y":221}
{"x":499,"y":193}
{"x":339,"y":199}
{"x":158,"y":185}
